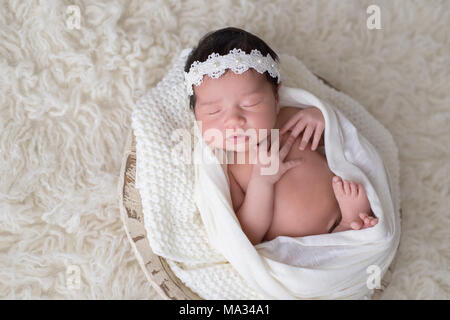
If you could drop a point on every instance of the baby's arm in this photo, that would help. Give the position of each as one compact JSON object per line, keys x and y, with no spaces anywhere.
{"x":256,"y":212}
{"x":254,"y":209}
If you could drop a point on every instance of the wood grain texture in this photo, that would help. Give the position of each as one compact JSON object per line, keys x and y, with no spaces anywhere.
{"x":156,"y":269}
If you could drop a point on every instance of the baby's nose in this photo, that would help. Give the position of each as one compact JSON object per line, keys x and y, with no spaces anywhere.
{"x":234,"y":119}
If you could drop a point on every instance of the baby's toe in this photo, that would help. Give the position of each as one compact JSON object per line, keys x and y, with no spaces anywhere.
{"x":337,"y":186}
{"x":347,"y":189}
{"x":366,"y":219}
{"x":361,"y":190}
{"x":353,"y":189}
{"x":337,"y":179}
{"x":356,"y":225}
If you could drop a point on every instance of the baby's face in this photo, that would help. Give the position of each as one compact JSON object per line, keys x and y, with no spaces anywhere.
{"x":234,"y":103}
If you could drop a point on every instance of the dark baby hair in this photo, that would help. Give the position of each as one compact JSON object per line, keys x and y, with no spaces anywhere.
{"x":222,"y":41}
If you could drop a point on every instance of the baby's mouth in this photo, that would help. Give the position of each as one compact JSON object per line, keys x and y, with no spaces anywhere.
{"x":238,"y":138}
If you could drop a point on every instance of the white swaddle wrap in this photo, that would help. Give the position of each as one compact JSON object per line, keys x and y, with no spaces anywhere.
{"x":321,"y":266}
{"x":198,"y":233}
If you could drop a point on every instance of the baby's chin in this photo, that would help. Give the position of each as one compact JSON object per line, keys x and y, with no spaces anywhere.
{"x":238,"y":147}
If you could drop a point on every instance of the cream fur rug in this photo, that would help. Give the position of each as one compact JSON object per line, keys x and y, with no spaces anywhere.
{"x":65,"y":107}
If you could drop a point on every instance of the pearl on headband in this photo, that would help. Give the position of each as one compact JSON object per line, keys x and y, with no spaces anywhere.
{"x":236,"y":60}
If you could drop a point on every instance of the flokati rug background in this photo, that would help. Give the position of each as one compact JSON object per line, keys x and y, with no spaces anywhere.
{"x":65,"y":106}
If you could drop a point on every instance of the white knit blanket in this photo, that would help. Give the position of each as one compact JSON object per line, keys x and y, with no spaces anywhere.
{"x":209,"y":252}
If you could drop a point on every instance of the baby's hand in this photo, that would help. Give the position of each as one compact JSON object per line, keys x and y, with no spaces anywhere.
{"x":276,"y":165}
{"x":310,"y":118}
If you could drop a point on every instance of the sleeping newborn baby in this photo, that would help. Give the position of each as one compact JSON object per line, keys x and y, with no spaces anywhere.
{"x":302,"y":197}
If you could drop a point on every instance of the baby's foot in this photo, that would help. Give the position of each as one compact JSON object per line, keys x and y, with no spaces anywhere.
{"x":354,"y":204}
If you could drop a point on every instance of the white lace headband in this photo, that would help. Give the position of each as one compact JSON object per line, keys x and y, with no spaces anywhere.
{"x":236,"y":60}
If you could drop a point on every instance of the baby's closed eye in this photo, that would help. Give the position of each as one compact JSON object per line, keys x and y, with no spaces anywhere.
{"x":251,"y":104}
{"x":214,"y":111}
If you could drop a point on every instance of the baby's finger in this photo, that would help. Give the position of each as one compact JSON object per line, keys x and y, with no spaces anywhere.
{"x":291,"y":122}
{"x":299,"y":127}
{"x":306,"y":136}
{"x":258,"y":151}
{"x":317,"y":135}
{"x":269,"y":145}
{"x":286,"y":147}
